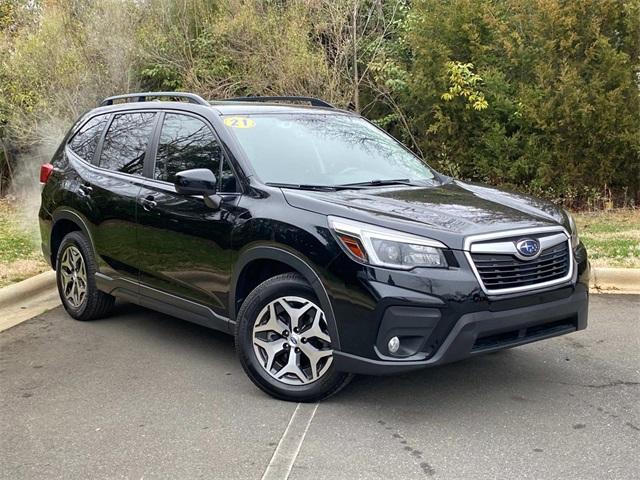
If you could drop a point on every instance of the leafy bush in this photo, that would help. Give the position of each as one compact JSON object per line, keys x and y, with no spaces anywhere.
{"x":561,"y":83}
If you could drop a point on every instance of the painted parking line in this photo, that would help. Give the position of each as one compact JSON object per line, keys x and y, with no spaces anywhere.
{"x":289,"y":445}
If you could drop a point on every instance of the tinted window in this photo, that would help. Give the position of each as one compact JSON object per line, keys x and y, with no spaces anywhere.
{"x":186,"y":143}
{"x":226,"y":179}
{"x":126,"y":142}
{"x":84,"y":142}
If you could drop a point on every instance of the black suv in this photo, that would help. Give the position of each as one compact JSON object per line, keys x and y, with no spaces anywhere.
{"x":323,"y":244}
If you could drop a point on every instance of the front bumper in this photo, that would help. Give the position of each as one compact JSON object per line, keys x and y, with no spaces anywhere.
{"x":443,"y":315}
{"x":486,"y":331}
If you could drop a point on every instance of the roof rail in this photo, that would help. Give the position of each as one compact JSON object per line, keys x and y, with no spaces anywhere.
{"x":315,"y":102}
{"x":145,"y":96}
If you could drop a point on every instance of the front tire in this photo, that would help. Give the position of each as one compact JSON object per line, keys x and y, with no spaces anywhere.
{"x":75,"y":275}
{"x":283,"y":343}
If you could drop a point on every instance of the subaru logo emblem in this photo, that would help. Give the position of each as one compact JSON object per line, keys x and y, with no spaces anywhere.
{"x":528,"y":247}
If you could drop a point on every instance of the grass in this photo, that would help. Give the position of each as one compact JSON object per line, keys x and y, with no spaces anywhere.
{"x":612,"y":238}
{"x":20,"y":254}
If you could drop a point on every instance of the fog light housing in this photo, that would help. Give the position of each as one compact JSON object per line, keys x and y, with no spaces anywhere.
{"x":393,"y":345}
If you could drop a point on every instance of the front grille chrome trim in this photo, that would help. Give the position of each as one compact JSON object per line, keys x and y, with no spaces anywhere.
{"x":509,"y":248}
{"x":471,"y":245}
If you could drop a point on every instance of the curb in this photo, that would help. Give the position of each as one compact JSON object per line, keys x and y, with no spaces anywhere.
{"x":27,"y":299}
{"x":20,"y":291}
{"x":615,"y":280}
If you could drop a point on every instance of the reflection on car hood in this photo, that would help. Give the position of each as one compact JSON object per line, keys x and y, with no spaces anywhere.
{"x":447,"y":212}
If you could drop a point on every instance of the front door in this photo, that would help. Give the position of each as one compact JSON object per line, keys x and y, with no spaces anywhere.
{"x":183,"y":245}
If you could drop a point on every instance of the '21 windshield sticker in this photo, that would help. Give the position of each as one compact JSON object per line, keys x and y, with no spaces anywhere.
{"x":239,"y":122}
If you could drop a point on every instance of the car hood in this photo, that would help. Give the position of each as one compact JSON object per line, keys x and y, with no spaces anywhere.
{"x":448,"y":212}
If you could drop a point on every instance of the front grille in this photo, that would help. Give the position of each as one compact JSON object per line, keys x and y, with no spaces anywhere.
{"x":499,"y":271}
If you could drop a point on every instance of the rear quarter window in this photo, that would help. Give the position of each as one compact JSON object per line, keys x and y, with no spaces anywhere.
{"x":85,"y":141}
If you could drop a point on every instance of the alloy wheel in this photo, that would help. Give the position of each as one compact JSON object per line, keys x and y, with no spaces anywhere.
{"x":291,"y":341}
{"x":73,"y":275}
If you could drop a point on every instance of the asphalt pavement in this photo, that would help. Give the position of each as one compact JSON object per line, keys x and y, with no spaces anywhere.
{"x":143,"y":395}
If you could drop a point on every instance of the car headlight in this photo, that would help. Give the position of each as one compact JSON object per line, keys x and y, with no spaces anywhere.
{"x":386,"y":248}
{"x":575,"y":240}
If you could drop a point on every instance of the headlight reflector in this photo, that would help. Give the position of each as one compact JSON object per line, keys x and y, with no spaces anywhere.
{"x":387,"y":248}
{"x":406,"y":254}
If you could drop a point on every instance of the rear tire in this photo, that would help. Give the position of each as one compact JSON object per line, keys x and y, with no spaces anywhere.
{"x":75,"y":275}
{"x":283,"y":343}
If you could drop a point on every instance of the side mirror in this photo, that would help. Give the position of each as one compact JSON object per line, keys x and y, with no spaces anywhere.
{"x":197,"y":181}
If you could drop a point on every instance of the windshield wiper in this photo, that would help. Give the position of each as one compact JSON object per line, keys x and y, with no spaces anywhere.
{"x":304,"y":186}
{"x":381,"y":183}
{"x":345,"y":186}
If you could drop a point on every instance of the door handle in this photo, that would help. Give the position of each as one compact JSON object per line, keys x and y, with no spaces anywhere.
{"x":85,"y":190}
{"x":148,"y":203}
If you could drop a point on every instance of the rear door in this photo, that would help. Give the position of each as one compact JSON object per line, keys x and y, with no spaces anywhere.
{"x":114,"y":188}
{"x":185,"y":245}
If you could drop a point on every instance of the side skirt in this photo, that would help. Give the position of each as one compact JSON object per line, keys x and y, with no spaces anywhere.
{"x":160,"y":301}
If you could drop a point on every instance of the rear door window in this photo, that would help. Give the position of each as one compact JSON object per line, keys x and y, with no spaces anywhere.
{"x":126,"y":142}
{"x":185,"y":143}
{"x":85,"y":142}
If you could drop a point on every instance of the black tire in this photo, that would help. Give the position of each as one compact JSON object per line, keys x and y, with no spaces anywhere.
{"x":95,"y":304}
{"x":287,"y":284}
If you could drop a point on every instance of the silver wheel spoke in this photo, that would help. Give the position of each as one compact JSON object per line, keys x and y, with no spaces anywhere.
{"x":81,"y":293}
{"x":82,"y":272}
{"x":271,"y":349}
{"x":292,"y":368}
{"x":315,"y":331}
{"x":314,"y":355}
{"x":273,"y":324}
{"x":66,"y":278}
{"x":81,"y":280}
{"x":295,"y":313}
{"x":76,"y":259}
{"x":68,"y":289}
{"x":76,"y":294}
{"x":293,"y":316}
{"x":65,"y":265}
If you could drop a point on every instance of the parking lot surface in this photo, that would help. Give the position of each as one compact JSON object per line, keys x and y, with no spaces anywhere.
{"x":144,"y":395}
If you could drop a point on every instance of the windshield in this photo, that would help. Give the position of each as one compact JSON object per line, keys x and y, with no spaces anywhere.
{"x":323,"y":149}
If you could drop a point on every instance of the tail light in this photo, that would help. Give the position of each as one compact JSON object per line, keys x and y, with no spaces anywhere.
{"x":45,"y":172}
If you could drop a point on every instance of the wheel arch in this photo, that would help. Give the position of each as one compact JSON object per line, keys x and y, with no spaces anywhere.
{"x":283,"y":261}
{"x":64,"y":222}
